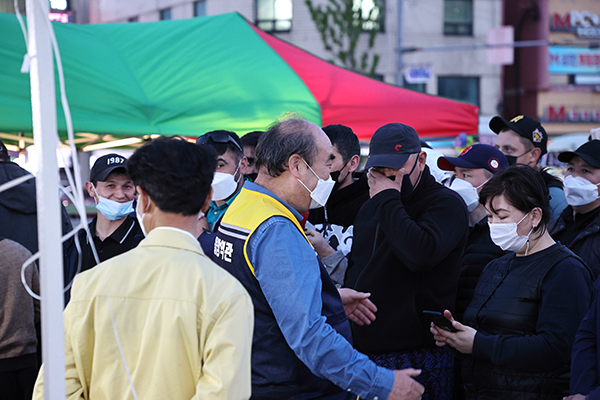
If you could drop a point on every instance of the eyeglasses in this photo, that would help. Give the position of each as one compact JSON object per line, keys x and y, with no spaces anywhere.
{"x":217,"y":137}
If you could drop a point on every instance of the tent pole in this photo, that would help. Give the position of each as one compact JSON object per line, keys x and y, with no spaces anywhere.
{"x":43,"y":106}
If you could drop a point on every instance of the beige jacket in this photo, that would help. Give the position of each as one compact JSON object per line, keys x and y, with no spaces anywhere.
{"x":185,"y":326}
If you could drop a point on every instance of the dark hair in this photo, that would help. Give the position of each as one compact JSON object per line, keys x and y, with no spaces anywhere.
{"x":176,"y":174}
{"x":221,"y":148}
{"x":283,"y":140}
{"x":523,"y":187}
{"x":250,"y":139}
{"x":344,"y":139}
{"x":3,"y":152}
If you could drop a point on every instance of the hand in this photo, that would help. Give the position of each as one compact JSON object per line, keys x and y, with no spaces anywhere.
{"x":321,"y":245}
{"x":357,"y":305}
{"x":575,"y":397}
{"x":461,"y":340}
{"x":378,"y":182}
{"x":202,"y":224}
{"x":405,"y":387}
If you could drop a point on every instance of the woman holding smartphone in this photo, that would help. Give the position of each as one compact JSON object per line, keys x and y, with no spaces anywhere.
{"x":519,"y":328}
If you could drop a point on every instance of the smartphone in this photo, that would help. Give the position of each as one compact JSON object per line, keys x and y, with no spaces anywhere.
{"x":440,"y":320}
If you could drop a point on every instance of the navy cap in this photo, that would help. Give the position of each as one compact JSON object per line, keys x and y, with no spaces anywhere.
{"x":391,"y":145}
{"x":589,"y":152}
{"x":527,"y":127}
{"x":475,"y":157}
{"x":105,"y":165}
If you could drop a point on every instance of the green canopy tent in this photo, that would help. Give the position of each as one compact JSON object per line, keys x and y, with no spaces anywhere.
{"x":187,"y":77}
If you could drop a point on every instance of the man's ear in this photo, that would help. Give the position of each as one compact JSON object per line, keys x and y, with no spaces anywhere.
{"x":244,"y":165}
{"x":422,"y":160}
{"x":90,"y":189}
{"x":353,"y":163}
{"x":294,"y":165}
{"x":536,"y":154}
{"x":142,"y":198}
{"x":207,"y":200}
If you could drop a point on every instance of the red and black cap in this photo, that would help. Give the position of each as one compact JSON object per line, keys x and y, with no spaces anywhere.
{"x":476,"y":157}
{"x":524,"y":126}
{"x":391,"y":145}
{"x":589,"y":152}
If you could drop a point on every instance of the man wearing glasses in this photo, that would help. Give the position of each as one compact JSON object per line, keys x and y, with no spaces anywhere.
{"x":228,"y":179}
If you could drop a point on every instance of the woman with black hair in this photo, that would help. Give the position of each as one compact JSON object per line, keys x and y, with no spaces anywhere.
{"x":518,"y":330}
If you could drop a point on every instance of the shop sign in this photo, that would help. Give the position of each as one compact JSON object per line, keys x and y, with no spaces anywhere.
{"x":420,"y":74}
{"x":562,"y":113}
{"x":585,"y":24}
{"x":573,"y":60}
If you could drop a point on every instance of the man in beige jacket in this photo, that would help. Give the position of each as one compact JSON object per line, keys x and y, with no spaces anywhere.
{"x":184,"y":325}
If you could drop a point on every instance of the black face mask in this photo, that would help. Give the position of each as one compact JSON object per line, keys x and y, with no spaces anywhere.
{"x":335,"y":175}
{"x":512,"y":160}
{"x":407,"y":186}
{"x":252,"y":176}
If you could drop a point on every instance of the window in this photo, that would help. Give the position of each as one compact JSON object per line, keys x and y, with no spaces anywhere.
{"x":372,"y":12}
{"x":133,"y":19}
{"x":274,"y":15}
{"x":165,"y":14}
{"x":461,"y":88}
{"x":417,"y":87}
{"x":458,"y":17}
{"x":200,"y":8}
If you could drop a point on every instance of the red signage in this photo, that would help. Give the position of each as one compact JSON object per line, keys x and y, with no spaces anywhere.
{"x":560,"y":113}
{"x":581,"y":23}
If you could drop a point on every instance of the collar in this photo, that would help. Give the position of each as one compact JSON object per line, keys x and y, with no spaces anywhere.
{"x":167,"y":236}
{"x":256,"y":188}
{"x":214,"y":207}
{"x":126,"y":228}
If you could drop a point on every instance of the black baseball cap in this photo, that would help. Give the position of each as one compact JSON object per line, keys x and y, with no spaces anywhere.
{"x":524,"y":126}
{"x":475,"y":157}
{"x":105,"y":165}
{"x":391,"y":145}
{"x":589,"y":152}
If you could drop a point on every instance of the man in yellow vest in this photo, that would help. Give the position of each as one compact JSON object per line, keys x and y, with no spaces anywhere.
{"x":302,"y":342}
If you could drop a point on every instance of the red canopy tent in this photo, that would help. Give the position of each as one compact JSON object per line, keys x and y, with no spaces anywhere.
{"x":365,"y":104}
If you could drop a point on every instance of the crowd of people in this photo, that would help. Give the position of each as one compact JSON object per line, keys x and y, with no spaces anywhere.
{"x":270,"y":267}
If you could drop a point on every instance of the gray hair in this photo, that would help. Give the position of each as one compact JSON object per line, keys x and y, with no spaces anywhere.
{"x":281,"y":141}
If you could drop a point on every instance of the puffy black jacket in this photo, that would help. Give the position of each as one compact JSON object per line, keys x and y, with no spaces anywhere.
{"x":586,"y":244}
{"x":526,"y":311}
{"x":479,"y":252}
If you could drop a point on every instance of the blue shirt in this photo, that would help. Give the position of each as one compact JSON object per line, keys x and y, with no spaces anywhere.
{"x":215,"y":212}
{"x":287,"y":270}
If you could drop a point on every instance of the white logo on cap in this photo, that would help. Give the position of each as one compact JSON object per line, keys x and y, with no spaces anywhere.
{"x":115,"y":160}
{"x":494,"y":163}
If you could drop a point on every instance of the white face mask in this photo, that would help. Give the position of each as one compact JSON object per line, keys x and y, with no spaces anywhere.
{"x":505,"y":236}
{"x":467,"y":191}
{"x":224,"y":185}
{"x":321,"y":192}
{"x":579,"y":191}
{"x":140,"y":217}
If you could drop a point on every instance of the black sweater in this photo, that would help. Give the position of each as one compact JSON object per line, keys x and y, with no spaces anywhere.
{"x":407,"y":253}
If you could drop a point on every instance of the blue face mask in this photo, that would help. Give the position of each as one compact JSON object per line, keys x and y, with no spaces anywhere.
{"x":114,"y":210}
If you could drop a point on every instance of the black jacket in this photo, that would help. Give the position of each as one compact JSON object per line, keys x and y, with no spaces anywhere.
{"x":526,"y":311}
{"x":480,"y":250}
{"x":586,"y":244}
{"x":407,"y":253}
{"x":336,"y":219}
{"x":18,"y":211}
